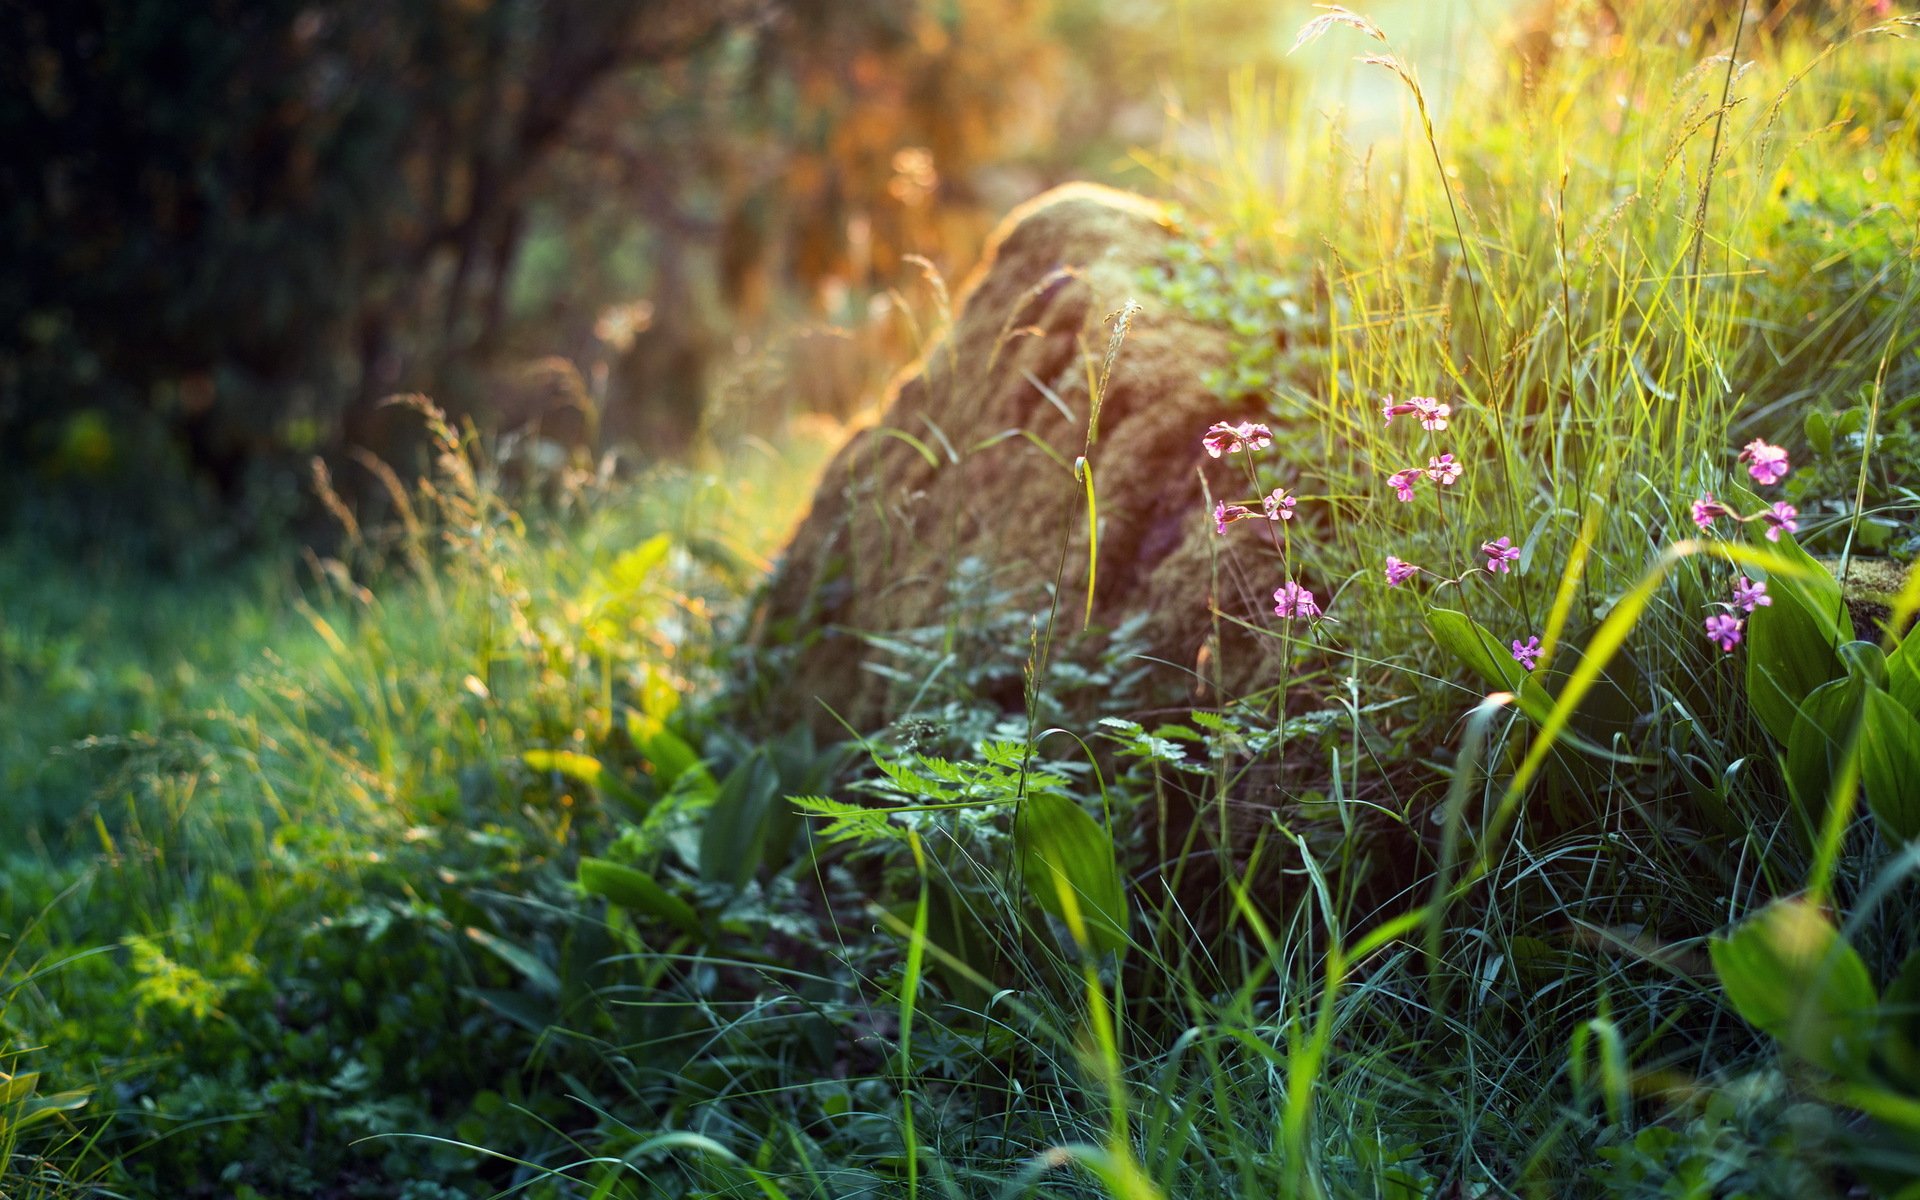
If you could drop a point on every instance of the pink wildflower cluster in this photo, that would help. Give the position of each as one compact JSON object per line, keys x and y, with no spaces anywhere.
{"x":1768,"y":465}
{"x":1223,"y":438}
{"x":1278,"y":505}
{"x":1433,"y":414}
{"x":1724,"y":629}
{"x":1291,"y":600}
{"x":1442,"y":469}
{"x":1500,"y":555}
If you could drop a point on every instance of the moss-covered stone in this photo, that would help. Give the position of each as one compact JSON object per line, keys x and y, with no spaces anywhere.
{"x":1870,"y":588}
{"x":891,"y":520}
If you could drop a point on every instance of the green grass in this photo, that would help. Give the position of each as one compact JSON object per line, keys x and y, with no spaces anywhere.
{"x":303,"y":919}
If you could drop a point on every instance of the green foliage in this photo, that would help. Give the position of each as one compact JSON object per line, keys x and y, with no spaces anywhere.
{"x":1794,"y":642}
{"x":488,"y":842}
{"x":1472,"y":645}
{"x":1788,"y":971}
{"x":1068,"y":864}
{"x":1843,"y":468}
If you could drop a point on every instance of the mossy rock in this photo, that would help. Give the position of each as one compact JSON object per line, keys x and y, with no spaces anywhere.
{"x":1870,"y":587}
{"x":950,"y":474}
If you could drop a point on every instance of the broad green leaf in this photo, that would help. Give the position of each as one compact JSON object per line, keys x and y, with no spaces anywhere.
{"x":659,"y":698}
{"x":1890,"y":766}
{"x":1061,"y":847}
{"x":1822,"y":729}
{"x":585,"y":769}
{"x":1819,"y":427}
{"x":528,"y":1012}
{"x":1791,"y":643}
{"x":1789,"y":973}
{"x":733,"y":839}
{"x":1887,"y":1108}
{"x":1903,"y":671}
{"x":1489,"y":658}
{"x":581,"y":768}
{"x":1864,"y":661}
{"x":15,"y":1088}
{"x":537,"y":973}
{"x":1900,"y":1015}
{"x":667,"y":752}
{"x":28,"y":1110}
{"x":637,"y":891}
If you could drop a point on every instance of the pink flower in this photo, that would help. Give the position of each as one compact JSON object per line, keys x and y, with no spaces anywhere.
{"x":1766,"y":463}
{"x":1279,"y":506}
{"x":1500,"y":555}
{"x":1782,"y":516}
{"x":1706,"y":510}
{"x":1749,"y":595}
{"x":1225,"y":514}
{"x":1724,"y":629}
{"x":1403,"y":482}
{"x":1443,"y":470}
{"x":1527,"y":653}
{"x":1433,"y":414}
{"x":1399,"y":572}
{"x":1291,"y":600}
{"x":1223,"y":438}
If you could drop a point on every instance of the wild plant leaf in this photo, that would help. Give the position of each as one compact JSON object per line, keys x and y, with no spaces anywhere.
{"x":1864,"y":661}
{"x":1083,"y":469}
{"x":1135,"y":742}
{"x":1890,"y":766}
{"x":858,"y":823}
{"x":1900,"y":1014}
{"x":666,"y":751}
{"x":581,"y":768}
{"x":16,"y":1088}
{"x":1489,"y":658}
{"x":586,"y":770}
{"x":630,"y":571}
{"x":1791,"y":975}
{"x":1823,"y":728}
{"x":1903,"y":671}
{"x":525,"y":962}
{"x":913,"y":783}
{"x":636,"y":891}
{"x":1792,"y":643}
{"x":659,"y":694}
{"x":1061,"y":848}
{"x":528,"y":1012}
{"x":28,"y":1110}
{"x":733,"y":840}
{"x":1819,"y":430}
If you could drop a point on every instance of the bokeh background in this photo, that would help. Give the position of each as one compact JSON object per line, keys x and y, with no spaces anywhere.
{"x":233,"y":229}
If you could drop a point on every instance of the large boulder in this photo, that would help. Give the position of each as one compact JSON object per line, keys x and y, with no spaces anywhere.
{"x":950,"y":479}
